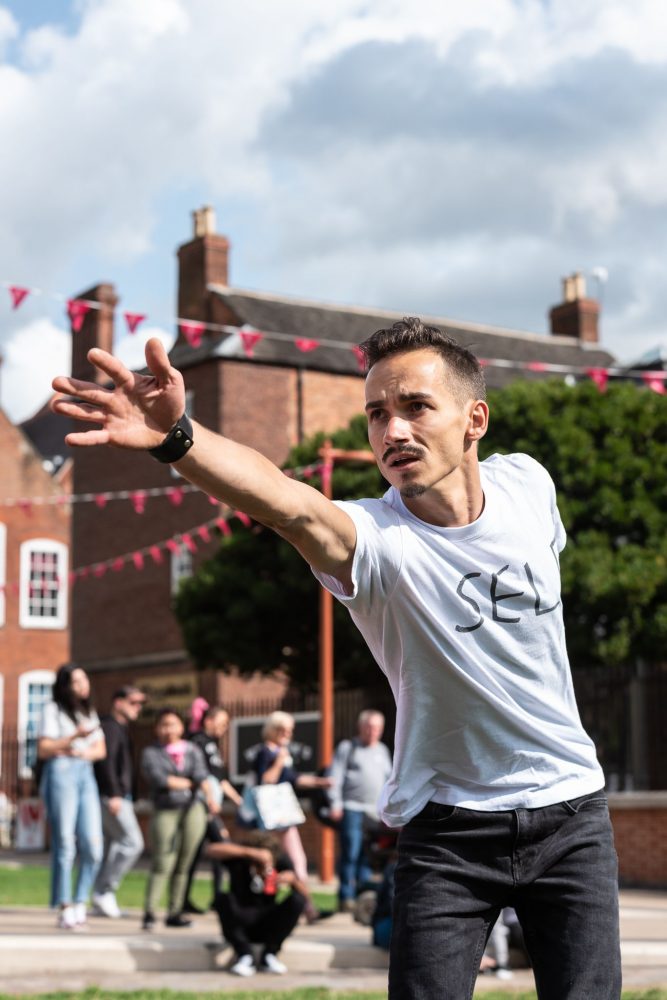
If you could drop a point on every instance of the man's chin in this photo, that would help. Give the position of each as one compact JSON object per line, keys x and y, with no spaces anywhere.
{"x":410,"y":492}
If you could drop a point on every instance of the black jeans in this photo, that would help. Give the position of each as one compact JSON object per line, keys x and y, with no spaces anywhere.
{"x":458,"y":867}
{"x":262,"y":924}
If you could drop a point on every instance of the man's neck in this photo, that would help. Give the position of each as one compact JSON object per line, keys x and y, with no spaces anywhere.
{"x":120,"y":719}
{"x":453,"y":502}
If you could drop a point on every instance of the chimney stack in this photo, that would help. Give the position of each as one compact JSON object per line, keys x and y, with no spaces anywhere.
{"x":96,"y":331}
{"x":576,"y":316}
{"x":201,"y":262}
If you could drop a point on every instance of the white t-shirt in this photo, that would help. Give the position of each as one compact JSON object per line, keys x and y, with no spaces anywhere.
{"x":57,"y":724}
{"x":467,"y":625}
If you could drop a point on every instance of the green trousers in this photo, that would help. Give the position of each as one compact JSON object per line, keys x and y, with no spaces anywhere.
{"x":175,"y":837}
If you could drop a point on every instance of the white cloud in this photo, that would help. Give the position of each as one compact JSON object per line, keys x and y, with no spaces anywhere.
{"x":420,"y":170}
{"x":130,"y":348}
{"x":34,"y":355}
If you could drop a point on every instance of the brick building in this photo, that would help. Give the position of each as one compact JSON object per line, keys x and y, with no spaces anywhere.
{"x":34,"y":599}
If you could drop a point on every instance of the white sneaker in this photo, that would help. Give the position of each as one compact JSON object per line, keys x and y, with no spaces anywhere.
{"x":67,"y":918}
{"x":502,"y":973}
{"x":80,"y":914}
{"x":244,"y":966}
{"x":272,"y":964}
{"x":105,"y":904}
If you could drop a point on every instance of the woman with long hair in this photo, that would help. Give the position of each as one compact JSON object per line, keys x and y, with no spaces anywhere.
{"x":70,"y":741}
{"x":273,"y":765}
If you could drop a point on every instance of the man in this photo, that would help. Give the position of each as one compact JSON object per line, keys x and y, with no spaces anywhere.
{"x":249,"y":912}
{"x":452,"y":578}
{"x":360,"y":768}
{"x":123,"y":841}
{"x":214,"y":725}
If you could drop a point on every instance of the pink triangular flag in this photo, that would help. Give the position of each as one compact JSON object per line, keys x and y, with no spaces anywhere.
{"x":221,"y":524}
{"x":600,"y":376}
{"x":173,"y":546}
{"x":138,"y":499}
{"x":117,"y":564}
{"x":133,"y":320}
{"x":99,"y":570}
{"x":249,"y":338}
{"x":77,"y":311}
{"x":193,"y":331}
{"x":156,"y":554}
{"x":305,"y":345}
{"x":243,"y":518}
{"x":175,"y":495}
{"x":655,"y":382}
{"x":360,"y":356}
{"x":213,"y":500}
{"x":189,"y":542}
{"x":536,"y":366}
{"x":204,"y":533}
{"x":101,"y":500}
{"x":138,"y":560}
{"x":18,"y":294}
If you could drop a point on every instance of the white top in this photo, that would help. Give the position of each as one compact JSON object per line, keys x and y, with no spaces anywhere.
{"x":467,"y":625}
{"x":56,"y":724}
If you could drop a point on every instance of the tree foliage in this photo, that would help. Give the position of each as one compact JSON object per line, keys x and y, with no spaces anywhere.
{"x":254,"y":605}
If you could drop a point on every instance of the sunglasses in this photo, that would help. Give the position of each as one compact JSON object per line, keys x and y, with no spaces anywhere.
{"x":136,"y":701}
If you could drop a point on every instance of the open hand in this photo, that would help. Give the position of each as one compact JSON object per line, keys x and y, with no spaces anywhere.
{"x":136,"y":413}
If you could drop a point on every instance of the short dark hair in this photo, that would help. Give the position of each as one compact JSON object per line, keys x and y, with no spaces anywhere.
{"x":126,"y":691}
{"x":410,"y":334}
{"x":168,"y":710}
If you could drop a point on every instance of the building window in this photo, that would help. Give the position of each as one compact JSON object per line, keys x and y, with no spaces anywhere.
{"x":181,"y":567}
{"x":3,"y":571}
{"x":35,"y":690}
{"x":43,"y":588}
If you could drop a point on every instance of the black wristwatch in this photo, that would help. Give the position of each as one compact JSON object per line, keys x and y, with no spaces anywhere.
{"x":176,"y":444}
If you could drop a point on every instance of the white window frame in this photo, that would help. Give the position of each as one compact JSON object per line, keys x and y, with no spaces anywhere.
{"x":2,"y":714}
{"x":3,"y":572}
{"x":26,"y":680}
{"x":176,"y":574}
{"x":48,"y":546}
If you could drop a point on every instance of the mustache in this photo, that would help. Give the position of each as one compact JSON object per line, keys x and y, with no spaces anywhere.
{"x":408,"y":450}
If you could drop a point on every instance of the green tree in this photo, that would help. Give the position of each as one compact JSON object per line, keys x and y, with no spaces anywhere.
{"x":607,"y":454}
{"x":254,"y":605}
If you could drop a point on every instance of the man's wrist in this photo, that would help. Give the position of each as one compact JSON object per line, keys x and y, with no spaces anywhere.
{"x":176,"y":443}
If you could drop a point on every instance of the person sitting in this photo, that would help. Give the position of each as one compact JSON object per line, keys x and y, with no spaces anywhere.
{"x":249,"y":912}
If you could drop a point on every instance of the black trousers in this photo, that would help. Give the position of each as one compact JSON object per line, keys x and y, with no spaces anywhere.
{"x":269,"y":925}
{"x":212,"y":835}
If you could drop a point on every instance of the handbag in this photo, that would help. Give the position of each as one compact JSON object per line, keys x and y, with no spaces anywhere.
{"x":275,"y":807}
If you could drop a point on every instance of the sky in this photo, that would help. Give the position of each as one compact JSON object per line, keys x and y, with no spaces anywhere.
{"x":440,"y":158}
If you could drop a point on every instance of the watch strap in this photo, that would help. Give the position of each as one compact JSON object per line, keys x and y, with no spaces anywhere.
{"x":176,"y":444}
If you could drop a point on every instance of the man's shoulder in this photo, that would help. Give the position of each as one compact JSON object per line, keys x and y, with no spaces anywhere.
{"x":515,"y":467}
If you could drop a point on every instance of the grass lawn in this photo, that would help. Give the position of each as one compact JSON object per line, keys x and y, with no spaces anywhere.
{"x":29,"y":886}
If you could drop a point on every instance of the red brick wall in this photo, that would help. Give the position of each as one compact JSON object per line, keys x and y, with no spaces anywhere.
{"x":640,"y":832}
{"x":24,"y":649}
{"x":330,"y":401}
{"x":258,"y":407}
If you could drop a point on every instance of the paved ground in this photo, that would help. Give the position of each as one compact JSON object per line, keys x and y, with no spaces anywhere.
{"x":35,"y":957}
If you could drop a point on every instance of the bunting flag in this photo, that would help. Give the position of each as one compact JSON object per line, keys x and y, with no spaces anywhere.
{"x":133,"y":320}
{"x":249,"y":338}
{"x":18,"y":294}
{"x":77,"y":310}
{"x":305,"y":345}
{"x":193,"y":331}
{"x":600,"y":376}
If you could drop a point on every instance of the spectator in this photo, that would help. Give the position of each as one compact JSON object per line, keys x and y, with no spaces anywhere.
{"x":70,"y":741}
{"x":214,"y":725}
{"x":175,"y":772}
{"x":359,"y":770}
{"x":273,"y":765}
{"x":123,"y":841}
{"x":249,"y":913}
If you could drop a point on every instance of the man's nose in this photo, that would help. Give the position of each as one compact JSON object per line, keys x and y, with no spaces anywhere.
{"x":397,"y":429}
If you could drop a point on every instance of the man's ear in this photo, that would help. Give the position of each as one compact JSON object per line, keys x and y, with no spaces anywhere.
{"x":478,"y":420}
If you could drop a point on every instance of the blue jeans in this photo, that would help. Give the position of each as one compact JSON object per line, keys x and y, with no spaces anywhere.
{"x":458,"y":867}
{"x":73,"y":809}
{"x":353,"y":867}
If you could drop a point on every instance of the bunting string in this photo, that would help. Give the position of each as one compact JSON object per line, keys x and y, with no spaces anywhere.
{"x":193,"y":332}
{"x":156,"y":552}
{"x":138,"y":497}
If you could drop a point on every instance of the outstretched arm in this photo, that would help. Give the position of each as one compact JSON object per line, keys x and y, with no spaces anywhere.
{"x":140,"y":410}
